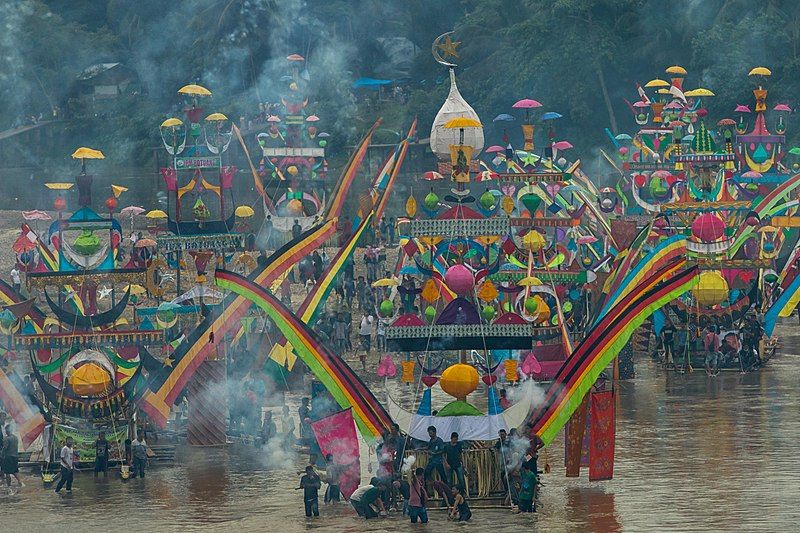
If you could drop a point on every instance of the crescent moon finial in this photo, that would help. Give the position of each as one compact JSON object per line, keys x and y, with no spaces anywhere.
{"x":448,"y":47}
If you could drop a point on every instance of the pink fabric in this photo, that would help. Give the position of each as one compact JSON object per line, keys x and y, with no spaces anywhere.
{"x":336,"y":435}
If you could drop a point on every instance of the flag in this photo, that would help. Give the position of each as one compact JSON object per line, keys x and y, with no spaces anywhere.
{"x":602,"y":436}
{"x":574,"y":439}
{"x":336,"y":435}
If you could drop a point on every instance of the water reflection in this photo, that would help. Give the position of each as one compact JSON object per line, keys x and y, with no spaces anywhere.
{"x":693,"y":452}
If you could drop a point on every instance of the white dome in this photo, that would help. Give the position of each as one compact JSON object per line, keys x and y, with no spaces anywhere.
{"x":454,"y":106}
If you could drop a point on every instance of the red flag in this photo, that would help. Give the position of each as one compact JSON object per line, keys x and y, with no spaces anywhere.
{"x":336,"y":435}
{"x":30,"y":423}
{"x":601,"y":442}
{"x":574,"y":439}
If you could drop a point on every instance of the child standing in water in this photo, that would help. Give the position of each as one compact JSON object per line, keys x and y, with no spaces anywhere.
{"x":310,"y":483}
{"x":460,"y":510}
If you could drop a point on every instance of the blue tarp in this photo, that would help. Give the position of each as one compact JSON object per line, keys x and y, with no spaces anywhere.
{"x":370,"y":83}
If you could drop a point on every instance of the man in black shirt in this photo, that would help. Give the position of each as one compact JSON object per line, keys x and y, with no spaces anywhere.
{"x":310,"y":483}
{"x":452,"y":454}
{"x":668,"y":338}
{"x":101,"y":455}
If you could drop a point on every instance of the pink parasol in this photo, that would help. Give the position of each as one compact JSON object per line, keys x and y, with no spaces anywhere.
{"x":751,"y":174}
{"x":494,"y":149}
{"x":273,"y":118}
{"x":674,"y":105}
{"x":726,"y":122}
{"x":526,"y":103}
{"x":562,"y":145}
{"x":639,"y":103}
{"x":312,"y":118}
{"x":741,"y":109}
{"x":782,"y":107}
{"x":36,"y":215}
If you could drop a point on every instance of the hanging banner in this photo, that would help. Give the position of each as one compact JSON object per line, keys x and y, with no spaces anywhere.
{"x":574,"y":439}
{"x":336,"y":435}
{"x":602,"y":440}
{"x":84,"y":440}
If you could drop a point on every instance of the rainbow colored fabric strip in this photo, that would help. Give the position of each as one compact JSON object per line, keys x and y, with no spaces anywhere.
{"x":341,"y":381}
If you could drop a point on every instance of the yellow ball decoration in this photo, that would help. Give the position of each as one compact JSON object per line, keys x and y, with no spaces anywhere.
{"x":292,"y":170}
{"x":533,"y":241}
{"x":459,"y":380}
{"x":711,"y":289}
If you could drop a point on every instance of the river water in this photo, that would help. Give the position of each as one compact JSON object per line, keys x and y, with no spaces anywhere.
{"x":692,"y":453}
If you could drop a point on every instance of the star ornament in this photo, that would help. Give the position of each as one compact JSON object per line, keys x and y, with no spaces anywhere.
{"x":169,"y":361}
{"x":448,"y":47}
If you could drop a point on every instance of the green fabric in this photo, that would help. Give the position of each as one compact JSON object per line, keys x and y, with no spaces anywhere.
{"x":527,"y":485}
{"x":459,"y":408}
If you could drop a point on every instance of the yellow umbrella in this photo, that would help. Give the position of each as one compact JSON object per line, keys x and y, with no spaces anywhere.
{"x":244,"y":211}
{"x":194,"y":90}
{"x":760,"y":71}
{"x":699,"y":92}
{"x":676,"y":69}
{"x":156,"y":213}
{"x":462,"y":122}
{"x":663,"y":91}
{"x":171,"y":123}
{"x":59,"y":186}
{"x":216,"y":117}
{"x":136,"y":290}
{"x":90,"y":379}
{"x":386,"y":282}
{"x":657,"y":83}
{"x":87,"y":153}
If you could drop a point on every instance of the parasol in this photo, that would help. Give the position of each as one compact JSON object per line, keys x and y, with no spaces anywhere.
{"x":194,"y":90}
{"x":726,"y":122}
{"x":782,"y":107}
{"x":551,"y":115}
{"x":752,"y":174}
{"x":623,"y":137}
{"x":156,"y":213}
{"x":526,"y":103}
{"x":503,"y":117}
{"x":132,"y":210}
{"x":795,"y":150}
{"x":462,"y":122}
{"x":494,"y":149}
{"x":562,"y":145}
{"x":386,"y":282}
{"x":216,"y":117}
{"x":59,"y":186}
{"x":700,"y":91}
{"x":171,"y":123}
{"x":760,"y":71}
{"x":640,"y":103}
{"x":657,"y":83}
{"x":312,"y":118}
{"x":741,"y":109}
{"x":244,"y":211}
{"x":675,"y":69}
{"x":295,"y":57}
{"x":273,"y":118}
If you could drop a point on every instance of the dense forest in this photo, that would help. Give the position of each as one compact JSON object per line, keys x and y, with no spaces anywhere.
{"x":580,"y":58}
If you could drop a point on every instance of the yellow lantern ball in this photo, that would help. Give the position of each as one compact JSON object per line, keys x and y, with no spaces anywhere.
{"x":292,"y":170}
{"x":711,"y":289}
{"x":459,"y":380}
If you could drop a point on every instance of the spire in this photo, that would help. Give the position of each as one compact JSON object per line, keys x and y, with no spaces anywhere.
{"x":454,"y":106}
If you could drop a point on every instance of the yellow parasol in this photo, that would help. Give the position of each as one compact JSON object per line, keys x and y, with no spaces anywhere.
{"x":171,"y":123}
{"x":87,"y":153}
{"x":760,"y":71}
{"x":462,"y":122}
{"x":156,"y":213}
{"x":216,"y":117}
{"x":657,"y":83}
{"x":194,"y":90}
{"x":59,"y":186}
{"x":676,"y":69}
{"x":244,"y":211}
{"x":699,"y":92}
{"x":386,"y":282}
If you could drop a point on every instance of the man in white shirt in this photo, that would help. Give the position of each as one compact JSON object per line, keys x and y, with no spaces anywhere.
{"x":139,"y":453}
{"x":67,"y":466}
